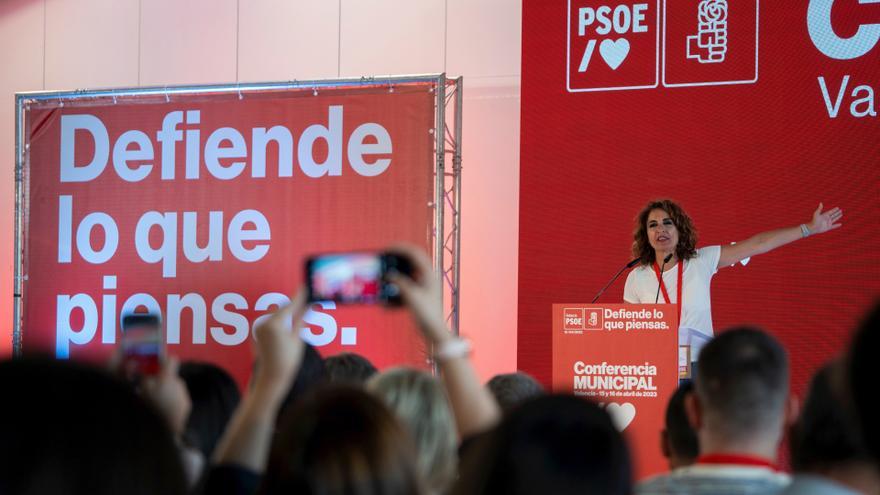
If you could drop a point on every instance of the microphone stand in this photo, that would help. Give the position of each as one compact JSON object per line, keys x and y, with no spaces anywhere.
{"x":628,"y":265}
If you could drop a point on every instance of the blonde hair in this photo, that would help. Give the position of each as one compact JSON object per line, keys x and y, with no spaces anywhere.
{"x":420,"y":403}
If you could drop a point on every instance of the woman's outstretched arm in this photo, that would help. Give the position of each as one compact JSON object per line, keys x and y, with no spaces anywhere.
{"x":767,"y":241}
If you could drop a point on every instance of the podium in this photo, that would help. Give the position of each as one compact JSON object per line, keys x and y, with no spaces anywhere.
{"x":624,"y":357}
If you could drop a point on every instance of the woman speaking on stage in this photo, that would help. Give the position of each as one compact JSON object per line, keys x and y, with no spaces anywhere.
{"x":672,"y":270}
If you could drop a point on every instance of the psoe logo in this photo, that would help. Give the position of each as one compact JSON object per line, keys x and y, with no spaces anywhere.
{"x":829,"y":43}
{"x":593,"y":319}
{"x":612,"y":45}
{"x":573,"y":319}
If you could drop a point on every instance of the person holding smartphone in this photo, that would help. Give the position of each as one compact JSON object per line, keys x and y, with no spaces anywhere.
{"x":142,"y":360}
{"x":242,"y":454}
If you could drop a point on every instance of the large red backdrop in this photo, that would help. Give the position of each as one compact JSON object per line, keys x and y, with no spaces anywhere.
{"x":749,"y":120}
{"x":205,"y":207}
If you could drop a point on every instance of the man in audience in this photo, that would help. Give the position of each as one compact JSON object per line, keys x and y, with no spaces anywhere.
{"x":510,"y":389}
{"x":740,"y":408}
{"x":678,"y":440}
{"x":827,"y":452}
{"x":348,"y":368}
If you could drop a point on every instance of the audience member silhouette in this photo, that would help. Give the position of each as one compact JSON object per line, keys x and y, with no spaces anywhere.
{"x":73,"y":430}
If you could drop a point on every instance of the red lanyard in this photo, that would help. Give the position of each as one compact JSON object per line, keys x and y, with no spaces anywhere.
{"x":737,"y":459}
{"x":663,"y":286}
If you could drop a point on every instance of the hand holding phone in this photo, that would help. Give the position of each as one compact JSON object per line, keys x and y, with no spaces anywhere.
{"x":168,"y":392}
{"x":422,"y":290}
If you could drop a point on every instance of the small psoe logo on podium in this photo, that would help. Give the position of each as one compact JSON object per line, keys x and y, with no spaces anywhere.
{"x":593,"y":319}
{"x":573,"y":320}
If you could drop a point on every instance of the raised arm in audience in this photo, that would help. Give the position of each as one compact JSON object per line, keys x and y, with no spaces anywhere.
{"x":474,"y":407}
{"x":280,"y":350}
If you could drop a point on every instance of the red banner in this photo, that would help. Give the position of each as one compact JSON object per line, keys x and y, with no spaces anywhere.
{"x":761,"y":110}
{"x":623,"y":357}
{"x":204,"y":208}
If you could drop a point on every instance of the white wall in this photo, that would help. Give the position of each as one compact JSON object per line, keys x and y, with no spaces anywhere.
{"x":58,"y":44}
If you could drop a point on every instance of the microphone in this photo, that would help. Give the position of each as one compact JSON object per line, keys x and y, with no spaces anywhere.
{"x":665,"y":260}
{"x":628,"y":265}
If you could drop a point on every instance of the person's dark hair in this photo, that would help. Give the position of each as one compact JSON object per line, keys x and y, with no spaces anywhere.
{"x":511,"y":389}
{"x":69,"y":429}
{"x":555,"y":444}
{"x":742,"y":382}
{"x":341,"y":440}
{"x":687,"y":233}
{"x":680,"y":434}
{"x":310,"y":375}
{"x":214,"y":396}
{"x":862,"y":378}
{"x":824,"y":435}
{"x":349,"y":368}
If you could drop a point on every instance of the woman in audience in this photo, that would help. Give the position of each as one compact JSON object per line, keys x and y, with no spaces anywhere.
{"x":419,"y":402}
{"x":340,"y":440}
{"x":328,"y":442}
{"x":241,"y":456}
{"x":473,"y":406}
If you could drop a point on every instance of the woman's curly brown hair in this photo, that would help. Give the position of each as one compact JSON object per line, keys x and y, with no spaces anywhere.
{"x":687,"y":233}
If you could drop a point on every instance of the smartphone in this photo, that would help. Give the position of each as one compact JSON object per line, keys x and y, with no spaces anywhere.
{"x":355,"y":278}
{"x":142,"y":347}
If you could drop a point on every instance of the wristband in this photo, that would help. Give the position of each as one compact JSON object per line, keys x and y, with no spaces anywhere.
{"x":452,"y":349}
{"x":805,"y":232}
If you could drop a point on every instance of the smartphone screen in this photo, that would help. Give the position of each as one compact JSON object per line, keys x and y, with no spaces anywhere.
{"x":141,"y":344}
{"x":346,"y":278}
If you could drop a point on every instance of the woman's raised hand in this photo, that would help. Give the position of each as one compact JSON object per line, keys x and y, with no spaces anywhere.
{"x":422,"y":293}
{"x":279,"y":346}
{"x":825,"y":221}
